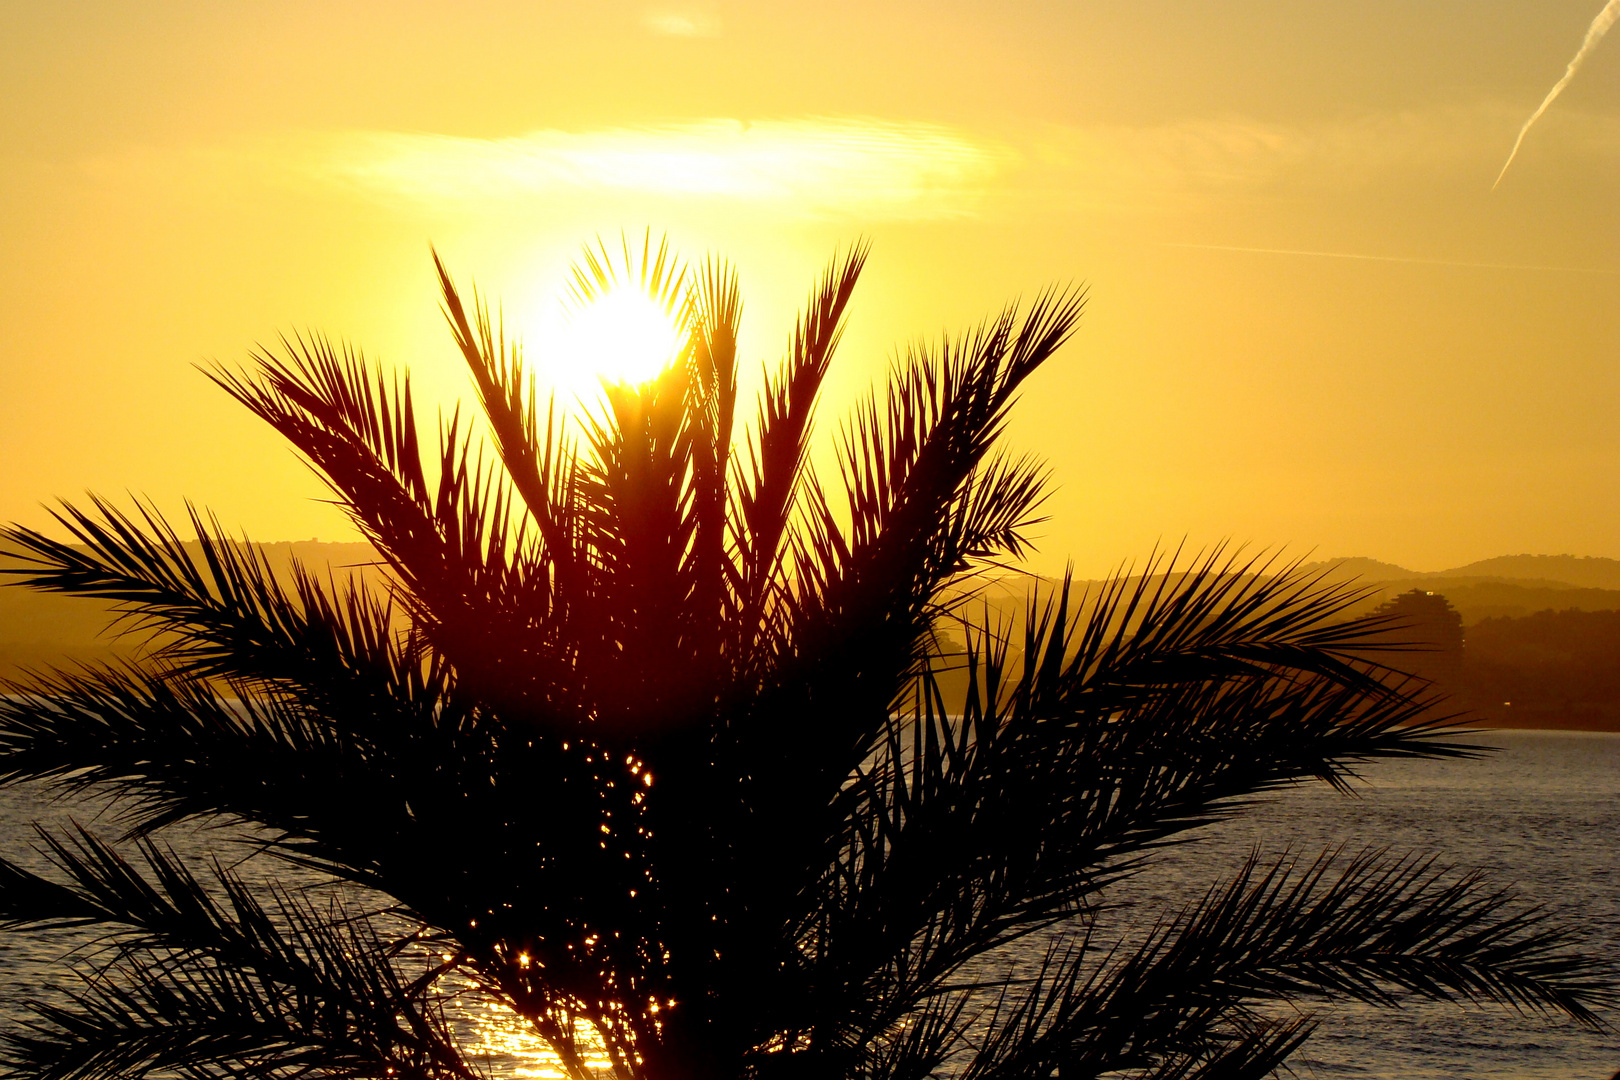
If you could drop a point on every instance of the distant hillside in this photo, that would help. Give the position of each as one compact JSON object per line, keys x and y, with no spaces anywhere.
{"x":1477,"y":599}
{"x":1538,"y":651}
{"x":44,"y":630}
{"x":1585,"y":572}
{"x":1363,"y":568}
{"x":1528,"y":639}
{"x":1510,"y":586}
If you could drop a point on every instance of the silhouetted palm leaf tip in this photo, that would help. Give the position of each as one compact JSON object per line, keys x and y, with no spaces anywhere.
{"x":661,"y":741}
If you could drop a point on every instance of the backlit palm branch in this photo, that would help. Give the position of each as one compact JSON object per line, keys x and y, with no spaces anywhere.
{"x":651,"y":742}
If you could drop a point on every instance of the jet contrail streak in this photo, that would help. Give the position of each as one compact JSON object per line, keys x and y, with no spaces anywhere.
{"x":1594,"y":34}
{"x":1393,"y":259}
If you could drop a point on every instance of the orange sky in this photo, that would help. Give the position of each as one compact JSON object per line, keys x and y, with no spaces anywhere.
{"x":182,"y":181}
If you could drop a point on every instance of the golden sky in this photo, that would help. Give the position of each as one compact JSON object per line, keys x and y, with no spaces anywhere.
{"x":1312,"y":322}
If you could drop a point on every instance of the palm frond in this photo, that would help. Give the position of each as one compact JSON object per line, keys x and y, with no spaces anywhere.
{"x":223,"y":613}
{"x":172,"y":750}
{"x":205,"y":977}
{"x":864,"y":588}
{"x":1373,"y":928}
{"x":465,"y":575}
{"x":779,"y":446}
{"x":538,"y":459}
{"x":656,"y":273}
{"x":714,"y":314}
{"x":1103,"y":769}
{"x":1254,"y":1051}
{"x":660,"y":739}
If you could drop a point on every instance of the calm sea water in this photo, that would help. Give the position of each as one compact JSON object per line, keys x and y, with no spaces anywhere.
{"x":1543,"y":813}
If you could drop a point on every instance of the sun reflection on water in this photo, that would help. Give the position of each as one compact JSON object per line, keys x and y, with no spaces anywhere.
{"x":505,"y":1043}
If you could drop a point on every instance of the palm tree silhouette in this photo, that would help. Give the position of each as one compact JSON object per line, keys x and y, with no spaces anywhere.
{"x":650,"y":742}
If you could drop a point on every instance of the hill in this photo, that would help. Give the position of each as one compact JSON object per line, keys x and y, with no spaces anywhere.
{"x":44,"y":630}
{"x":1508,"y":586}
{"x":1534,"y":648}
{"x":1477,"y":599}
{"x":1362,"y":568}
{"x":1527,"y":628}
{"x":1583,"y":572}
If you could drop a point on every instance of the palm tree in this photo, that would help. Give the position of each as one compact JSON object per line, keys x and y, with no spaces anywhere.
{"x":649,"y":742}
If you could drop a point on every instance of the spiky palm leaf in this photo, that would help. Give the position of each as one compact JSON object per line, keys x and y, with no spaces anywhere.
{"x":204,"y":977}
{"x":652,"y":737}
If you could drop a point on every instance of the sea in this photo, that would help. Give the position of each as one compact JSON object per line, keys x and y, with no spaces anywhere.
{"x":1540,"y":813}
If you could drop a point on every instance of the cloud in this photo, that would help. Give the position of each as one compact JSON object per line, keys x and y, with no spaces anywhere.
{"x":806,"y":167}
{"x":872,"y":169}
{"x":864,"y":169}
{"x":1194,"y":163}
{"x":682,"y":23}
{"x":1412,"y":260}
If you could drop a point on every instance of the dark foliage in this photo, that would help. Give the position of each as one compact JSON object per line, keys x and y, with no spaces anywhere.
{"x":649,"y":742}
{"x":1549,"y":669}
{"x":1432,"y":631}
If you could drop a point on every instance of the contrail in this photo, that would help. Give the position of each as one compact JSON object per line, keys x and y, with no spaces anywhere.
{"x":1594,"y":34}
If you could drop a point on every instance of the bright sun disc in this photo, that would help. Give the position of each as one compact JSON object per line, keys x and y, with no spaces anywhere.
{"x":622,"y":336}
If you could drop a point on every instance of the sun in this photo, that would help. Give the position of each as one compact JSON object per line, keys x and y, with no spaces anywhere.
{"x":621,"y":336}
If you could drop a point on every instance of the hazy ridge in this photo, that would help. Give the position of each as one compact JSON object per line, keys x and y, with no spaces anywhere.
{"x":1508,"y":586}
{"x":1568,"y":571}
{"x":1542,"y":631}
{"x":1540,"y":640}
{"x":39,"y":629}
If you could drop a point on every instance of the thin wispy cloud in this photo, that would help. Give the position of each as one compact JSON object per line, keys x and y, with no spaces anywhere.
{"x":816,"y":167}
{"x":1359,"y":257}
{"x":1594,"y":34}
{"x":682,"y":22}
{"x":1198,"y":165}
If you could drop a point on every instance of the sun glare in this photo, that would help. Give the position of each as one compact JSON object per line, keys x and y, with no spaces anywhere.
{"x":622,"y":336}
